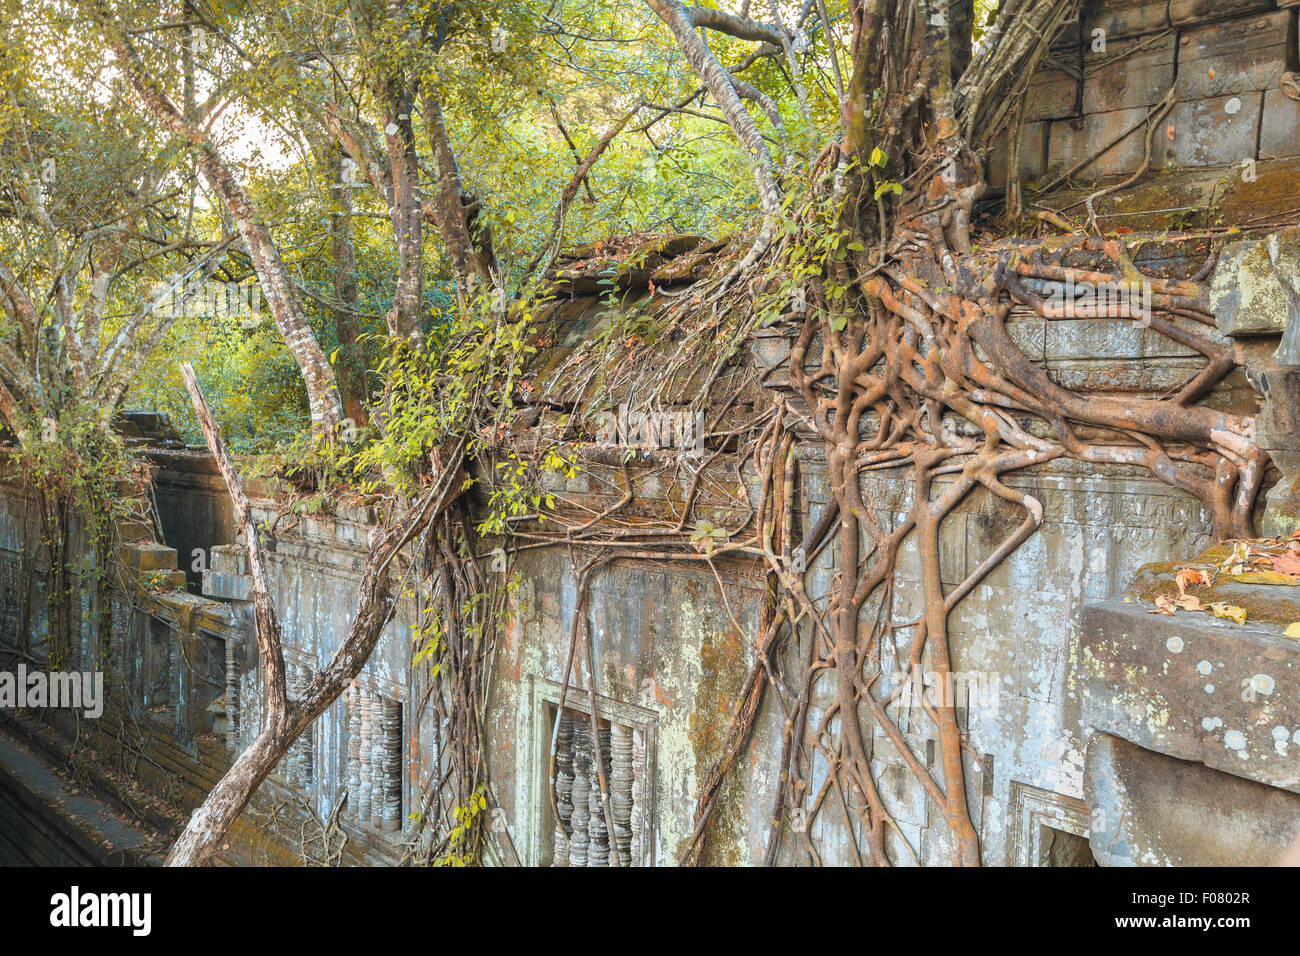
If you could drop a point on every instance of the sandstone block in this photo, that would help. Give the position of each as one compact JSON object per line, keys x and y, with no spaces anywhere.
{"x":149,"y":557}
{"x":1033,"y":155}
{"x":1214,"y":132}
{"x":1279,"y":130}
{"x":1245,"y":294}
{"x":1125,"y":18}
{"x":1130,"y":73}
{"x":1051,"y":94}
{"x":1069,"y":146}
{"x":1236,"y":57}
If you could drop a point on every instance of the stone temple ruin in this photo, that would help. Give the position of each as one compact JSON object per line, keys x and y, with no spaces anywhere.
{"x":1095,"y":731}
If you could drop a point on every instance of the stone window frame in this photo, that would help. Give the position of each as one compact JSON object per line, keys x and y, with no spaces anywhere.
{"x":544,"y":694}
{"x":1033,"y":808}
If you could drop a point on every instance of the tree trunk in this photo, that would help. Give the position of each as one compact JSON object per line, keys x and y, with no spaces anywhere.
{"x":277,"y":286}
{"x":350,"y":367}
{"x":405,"y":212}
{"x":472,"y":262}
{"x":285,"y":719}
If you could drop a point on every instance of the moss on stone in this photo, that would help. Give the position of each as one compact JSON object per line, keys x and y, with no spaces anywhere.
{"x":1264,"y":604}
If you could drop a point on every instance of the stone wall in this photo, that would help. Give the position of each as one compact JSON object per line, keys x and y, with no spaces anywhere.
{"x":670,"y":662}
{"x":183,"y":677}
{"x":1220,"y":63}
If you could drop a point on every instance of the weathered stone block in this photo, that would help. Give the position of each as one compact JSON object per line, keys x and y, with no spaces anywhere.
{"x":1124,"y":375}
{"x":1029,"y":332}
{"x":904,"y":799}
{"x":1051,"y":94}
{"x":1214,"y":132}
{"x":1194,"y":687}
{"x":1130,"y":73}
{"x":771,"y":348}
{"x":1069,"y":146}
{"x":1284,"y":254}
{"x":1279,"y":129}
{"x":132,"y":531}
{"x":1278,"y":423}
{"x":1019,"y":613}
{"x":1060,"y":558}
{"x":1010,"y":662}
{"x":227,"y":587}
{"x":1125,"y":18}
{"x":1033,"y":154}
{"x":1245,"y":294}
{"x":1240,"y":56}
{"x":149,"y":557}
{"x":229,"y":559}
{"x":1184,"y":12}
{"x":1108,"y":338}
{"x":1151,"y":810}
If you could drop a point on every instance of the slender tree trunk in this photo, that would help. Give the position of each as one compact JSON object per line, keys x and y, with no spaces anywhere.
{"x":472,"y":263}
{"x":277,"y":286}
{"x":404,"y":320}
{"x":285,"y":719}
{"x":723,"y":89}
{"x":351,"y":369}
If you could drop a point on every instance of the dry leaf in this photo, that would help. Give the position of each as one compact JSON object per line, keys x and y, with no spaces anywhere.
{"x":1164,"y":605}
{"x":1288,"y":562}
{"x":1230,"y":611}
{"x":1189,"y":602}
{"x":1189,"y":576}
{"x":1264,"y":577}
{"x":1293,"y":630}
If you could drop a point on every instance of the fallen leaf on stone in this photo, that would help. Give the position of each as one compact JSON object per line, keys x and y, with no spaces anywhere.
{"x":1164,"y":605}
{"x":1293,"y":630}
{"x":1189,"y":576}
{"x":1189,"y":602}
{"x":1264,"y":577}
{"x":1230,"y":611}
{"x":1288,"y":562}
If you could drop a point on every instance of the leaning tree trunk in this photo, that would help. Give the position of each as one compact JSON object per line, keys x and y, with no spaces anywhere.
{"x":286,"y":719}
